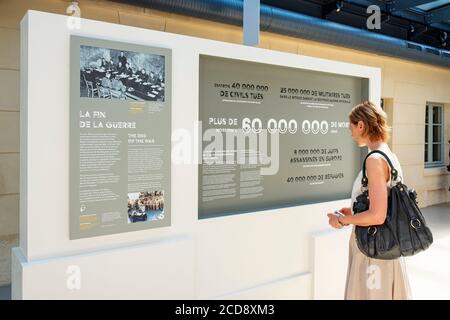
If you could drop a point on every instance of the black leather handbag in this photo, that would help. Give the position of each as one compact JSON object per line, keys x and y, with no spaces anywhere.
{"x":403,"y":233}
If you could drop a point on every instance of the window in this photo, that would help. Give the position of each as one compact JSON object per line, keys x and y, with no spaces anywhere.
{"x":434,"y":135}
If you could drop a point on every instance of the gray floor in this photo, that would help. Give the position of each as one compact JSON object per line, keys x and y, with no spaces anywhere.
{"x":428,"y":271}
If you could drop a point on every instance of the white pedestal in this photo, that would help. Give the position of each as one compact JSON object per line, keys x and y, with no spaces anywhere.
{"x":268,"y":254}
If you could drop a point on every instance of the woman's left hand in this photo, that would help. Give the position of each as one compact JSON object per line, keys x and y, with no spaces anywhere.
{"x":333,"y":221}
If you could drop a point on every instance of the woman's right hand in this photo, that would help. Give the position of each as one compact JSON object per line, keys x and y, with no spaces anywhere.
{"x":346,"y":211}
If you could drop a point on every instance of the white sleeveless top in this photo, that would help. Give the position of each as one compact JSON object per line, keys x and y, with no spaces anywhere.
{"x":385,"y":148}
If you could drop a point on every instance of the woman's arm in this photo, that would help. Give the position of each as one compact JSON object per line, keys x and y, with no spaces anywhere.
{"x":347,"y":211}
{"x":377,"y":173}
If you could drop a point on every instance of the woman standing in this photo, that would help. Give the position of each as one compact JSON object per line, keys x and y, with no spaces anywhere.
{"x":369,"y":278}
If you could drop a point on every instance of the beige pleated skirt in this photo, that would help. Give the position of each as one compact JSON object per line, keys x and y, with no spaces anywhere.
{"x":374,"y":279}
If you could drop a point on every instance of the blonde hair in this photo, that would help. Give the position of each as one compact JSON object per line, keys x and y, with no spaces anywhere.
{"x":374,"y":119}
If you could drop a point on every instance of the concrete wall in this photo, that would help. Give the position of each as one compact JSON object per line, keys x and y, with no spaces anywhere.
{"x":406,"y":85}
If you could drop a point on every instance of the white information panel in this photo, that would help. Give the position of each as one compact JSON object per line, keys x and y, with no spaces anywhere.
{"x":264,"y":254}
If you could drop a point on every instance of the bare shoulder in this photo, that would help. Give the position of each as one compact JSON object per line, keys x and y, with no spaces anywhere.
{"x":377,"y":167}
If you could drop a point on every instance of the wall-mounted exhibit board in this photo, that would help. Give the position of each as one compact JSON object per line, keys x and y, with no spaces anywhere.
{"x":266,"y":254}
{"x":120,"y":132}
{"x":243,"y":105}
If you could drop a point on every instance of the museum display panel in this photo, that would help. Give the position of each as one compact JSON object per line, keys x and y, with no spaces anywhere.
{"x":274,"y":136}
{"x":120,"y":128}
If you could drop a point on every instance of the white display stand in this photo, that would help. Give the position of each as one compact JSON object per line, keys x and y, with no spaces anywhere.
{"x":275,"y":254}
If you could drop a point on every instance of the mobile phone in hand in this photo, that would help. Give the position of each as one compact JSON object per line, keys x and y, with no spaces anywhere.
{"x":338,"y":213}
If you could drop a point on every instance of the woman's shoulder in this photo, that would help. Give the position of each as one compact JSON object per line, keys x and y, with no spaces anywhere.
{"x":377,"y":160}
{"x":387,"y":153}
{"x":385,"y":149}
{"x":392,"y":157}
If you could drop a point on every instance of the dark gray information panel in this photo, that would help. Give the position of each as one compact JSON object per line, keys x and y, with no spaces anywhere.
{"x":274,"y":136}
{"x":120,"y":137}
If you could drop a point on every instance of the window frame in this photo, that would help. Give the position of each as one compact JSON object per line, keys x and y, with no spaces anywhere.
{"x":429,"y":108}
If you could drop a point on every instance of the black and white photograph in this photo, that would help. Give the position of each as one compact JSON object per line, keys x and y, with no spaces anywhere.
{"x":118,"y":74}
{"x":145,"y":206}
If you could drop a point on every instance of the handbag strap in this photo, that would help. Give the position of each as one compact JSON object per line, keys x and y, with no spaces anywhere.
{"x":394,"y":172}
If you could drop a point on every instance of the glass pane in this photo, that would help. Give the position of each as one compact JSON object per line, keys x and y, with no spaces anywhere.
{"x":426,"y":133}
{"x":437,"y":130}
{"x":437,"y":152}
{"x":436,"y":115}
{"x":426,"y":114}
{"x":426,"y":152}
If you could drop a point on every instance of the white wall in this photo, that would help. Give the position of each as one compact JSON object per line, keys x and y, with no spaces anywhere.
{"x":267,"y":254}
